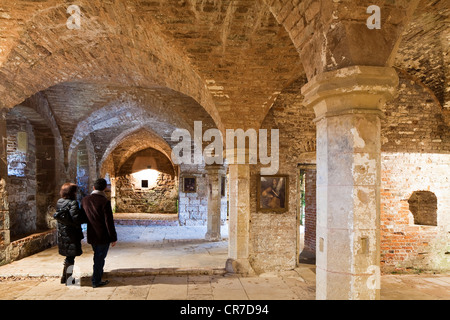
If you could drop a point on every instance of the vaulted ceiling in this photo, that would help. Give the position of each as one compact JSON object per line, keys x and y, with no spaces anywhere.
{"x":161,"y":65}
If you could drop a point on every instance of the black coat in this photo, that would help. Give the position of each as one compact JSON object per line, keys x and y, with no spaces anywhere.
{"x":100,"y":226}
{"x":69,"y":237}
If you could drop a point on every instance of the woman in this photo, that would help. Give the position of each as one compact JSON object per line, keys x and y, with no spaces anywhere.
{"x":69,"y":236}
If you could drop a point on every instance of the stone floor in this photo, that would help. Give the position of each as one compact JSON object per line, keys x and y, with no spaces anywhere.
{"x":175,"y":263}
{"x":290,"y":286}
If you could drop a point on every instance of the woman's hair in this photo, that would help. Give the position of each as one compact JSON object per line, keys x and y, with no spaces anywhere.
{"x":69,"y":191}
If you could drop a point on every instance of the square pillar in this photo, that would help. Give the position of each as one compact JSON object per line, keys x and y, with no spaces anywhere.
{"x":215,"y":174}
{"x":347,"y":103}
{"x":238,"y":247}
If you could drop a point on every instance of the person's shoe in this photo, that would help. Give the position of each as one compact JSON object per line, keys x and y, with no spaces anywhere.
{"x":100,"y":284}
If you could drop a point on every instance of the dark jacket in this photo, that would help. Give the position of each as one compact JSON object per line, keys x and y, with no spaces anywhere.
{"x":100,"y":227}
{"x":69,"y":237}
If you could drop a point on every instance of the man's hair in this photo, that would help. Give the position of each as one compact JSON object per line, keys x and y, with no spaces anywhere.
{"x":100,"y":184}
{"x":68,"y":191}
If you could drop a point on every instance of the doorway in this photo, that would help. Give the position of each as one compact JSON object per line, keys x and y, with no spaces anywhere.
{"x":307,"y":213}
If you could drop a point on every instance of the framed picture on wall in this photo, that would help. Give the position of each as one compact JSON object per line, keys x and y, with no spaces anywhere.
{"x":189,"y":184}
{"x":272,"y":195}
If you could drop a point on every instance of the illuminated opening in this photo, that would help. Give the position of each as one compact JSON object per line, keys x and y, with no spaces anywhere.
{"x":147,"y":178}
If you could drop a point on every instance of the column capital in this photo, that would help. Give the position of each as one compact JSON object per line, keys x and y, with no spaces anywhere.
{"x":356,"y":89}
{"x":215,"y":168}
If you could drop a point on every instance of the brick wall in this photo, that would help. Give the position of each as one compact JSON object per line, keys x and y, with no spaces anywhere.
{"x":415,"y":157}
{"x":403,"y":243}
{"x":310,"y":211}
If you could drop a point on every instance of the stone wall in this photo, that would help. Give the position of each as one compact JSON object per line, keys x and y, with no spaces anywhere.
{"x":274,"y":236}
{"x":193,"y":206}
{"x":159,"y":195}
{"x":86,"y":171}
{"x":32,"y":244}
{"x":46,"y":189}
{"x":21,"y":182}
{"x":4,"y":203}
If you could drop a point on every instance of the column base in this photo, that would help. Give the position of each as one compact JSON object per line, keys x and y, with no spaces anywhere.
{"x":240,"y":266}
{"x":213,"y":236}
{"x":343,"y":286}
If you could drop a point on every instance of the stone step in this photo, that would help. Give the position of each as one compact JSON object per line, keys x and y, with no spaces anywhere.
{"x":141,"y":272}
{"x":146,"y":219}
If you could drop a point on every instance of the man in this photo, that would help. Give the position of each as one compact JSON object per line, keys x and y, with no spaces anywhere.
{"x":101,"y":231}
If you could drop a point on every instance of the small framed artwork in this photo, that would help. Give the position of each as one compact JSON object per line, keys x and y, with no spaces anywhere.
{"x":189,"y":184}
{"x":273,"y":193}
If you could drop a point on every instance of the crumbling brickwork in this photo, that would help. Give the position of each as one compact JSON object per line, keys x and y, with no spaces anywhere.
{"x":415,"y":158}
{"x":310,"y":210}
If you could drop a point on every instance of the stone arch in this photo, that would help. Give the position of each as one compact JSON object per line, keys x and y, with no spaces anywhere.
{"x":428,"y":21}
{"x":52,"y":54}
{"x":131,"y":141}
{"x":414,"y":120}
{"x":330,"y":35}
{"x":114,"y":115}
{"x":162,"y":111}
{"x":146,"y":182}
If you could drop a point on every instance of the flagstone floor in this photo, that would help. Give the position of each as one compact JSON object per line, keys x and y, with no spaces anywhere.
{"x":176,"y":263}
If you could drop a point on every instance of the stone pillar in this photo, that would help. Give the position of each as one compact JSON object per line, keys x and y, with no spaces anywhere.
{"x":445,"y":41}
{"x":4,"y":211}
{"x":239,"y":209}
{"x":347,"y":103}
{"x":214,"y":203}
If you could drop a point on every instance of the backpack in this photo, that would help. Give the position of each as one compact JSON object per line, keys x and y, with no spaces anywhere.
{"x":62,"y":215}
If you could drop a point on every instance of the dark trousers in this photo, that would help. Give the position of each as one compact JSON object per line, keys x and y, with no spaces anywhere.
{"x":68,"y":261}
{"x":100,"y":252}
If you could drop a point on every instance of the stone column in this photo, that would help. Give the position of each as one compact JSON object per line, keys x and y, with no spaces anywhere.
{"x":239,"y":209}
{"x":4,"y":211}
{"x":347,"y":103}
{"x":445,"y":41}
{"x":214,"y":203}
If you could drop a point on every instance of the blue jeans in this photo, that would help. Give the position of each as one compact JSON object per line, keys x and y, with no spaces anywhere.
{"x":100,"y":252}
